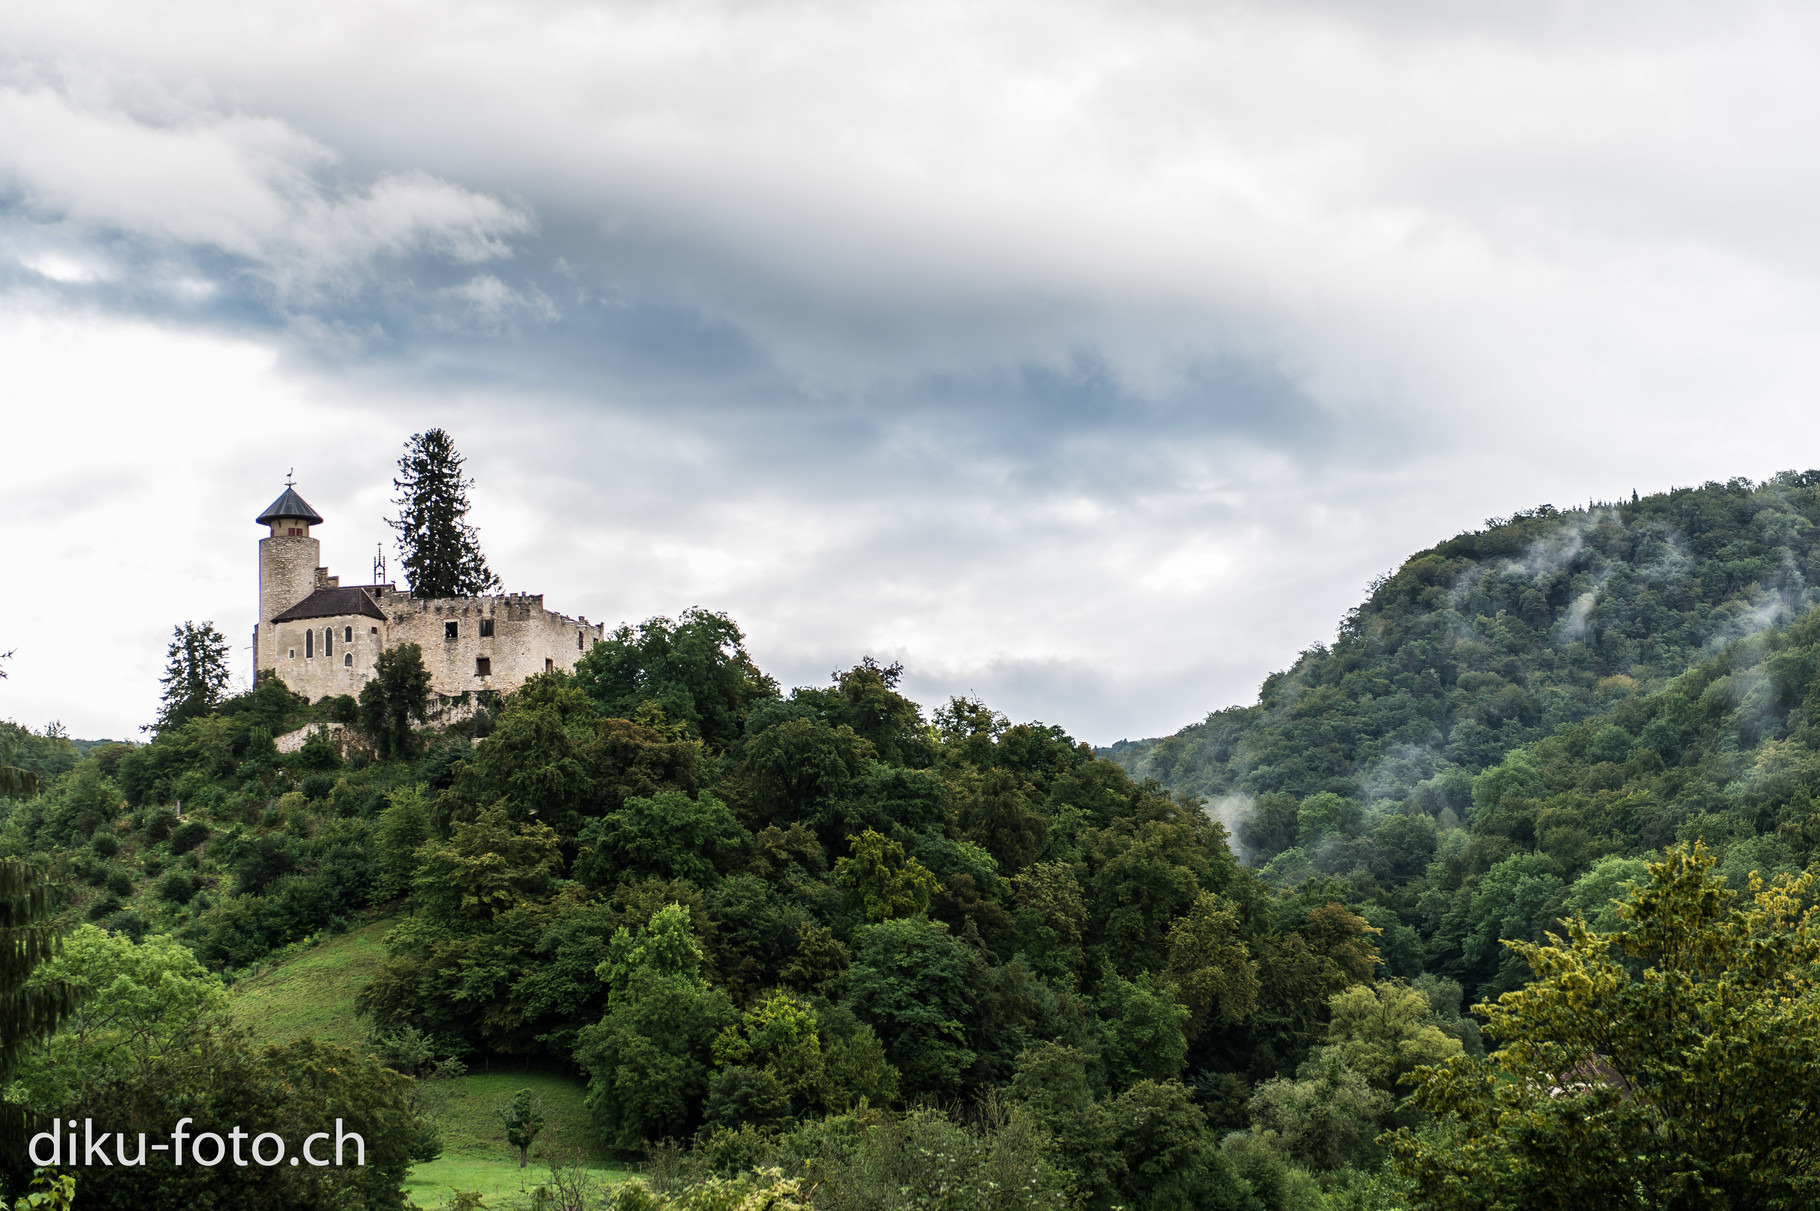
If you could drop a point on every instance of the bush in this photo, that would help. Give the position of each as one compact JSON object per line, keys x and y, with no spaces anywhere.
{"x":177,"y":887}
{"x":105,"y":845}
{"x":127,"y":923}
{"x":160,"y":825}
{"x":188,"y":836}
{"x":119,"y":883}
{"x":106,"y":906}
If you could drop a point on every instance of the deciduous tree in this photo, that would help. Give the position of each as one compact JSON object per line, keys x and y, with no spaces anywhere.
{"x":1669,"y":1063}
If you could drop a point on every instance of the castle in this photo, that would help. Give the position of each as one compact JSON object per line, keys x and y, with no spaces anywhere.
{"x":322,"y":639}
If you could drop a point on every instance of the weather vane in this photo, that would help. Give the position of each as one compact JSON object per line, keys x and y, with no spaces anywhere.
{"x":290,"y":480}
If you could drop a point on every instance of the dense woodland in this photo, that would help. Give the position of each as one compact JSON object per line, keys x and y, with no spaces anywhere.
{"x":832,"y":945}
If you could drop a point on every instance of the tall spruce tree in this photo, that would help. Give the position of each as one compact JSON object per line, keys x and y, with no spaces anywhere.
{"x":441,"y":550}
{"x":28,"y":1010}
{"x":195,"y":675}
{"x":15,"y":783}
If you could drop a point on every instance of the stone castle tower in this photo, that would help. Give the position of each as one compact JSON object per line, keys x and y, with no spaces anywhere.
{"x":323,"y":640}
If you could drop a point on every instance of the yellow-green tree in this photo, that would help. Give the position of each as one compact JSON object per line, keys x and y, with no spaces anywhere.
{"x":1670,"y":1063}
{"x":885,"y":883}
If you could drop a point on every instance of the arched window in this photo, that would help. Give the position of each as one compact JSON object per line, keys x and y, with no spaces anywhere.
{"x":348,"y":660}
{"x":309,"y":643}
{"x":328,"y":641}
{"x":347,"y":633}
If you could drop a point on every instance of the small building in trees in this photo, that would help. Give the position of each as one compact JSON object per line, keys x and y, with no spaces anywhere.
{"x":322,"y":638}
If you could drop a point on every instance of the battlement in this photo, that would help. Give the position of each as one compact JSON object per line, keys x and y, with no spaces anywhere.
{"x":323,"y":639}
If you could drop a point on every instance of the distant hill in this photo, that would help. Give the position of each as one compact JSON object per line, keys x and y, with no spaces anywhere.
{"x":1495,"y":638}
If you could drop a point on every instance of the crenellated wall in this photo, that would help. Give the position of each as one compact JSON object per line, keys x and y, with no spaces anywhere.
{"x":339,"y":653}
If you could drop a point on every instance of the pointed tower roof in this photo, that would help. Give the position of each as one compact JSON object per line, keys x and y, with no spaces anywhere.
{"x":289,"y":505}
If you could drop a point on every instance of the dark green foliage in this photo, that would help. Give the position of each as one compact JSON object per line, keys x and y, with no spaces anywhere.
{"x":188,"y":836}
{"x":27,"y":939}
{"x":320,"y":751}
{"x":693,"y":671}
{"x":220,"y":1080}
{"x":178,"y":888}
{"x":393,"y":699}
{"x":1494,"y":638}
{"x":650,"y":1056}
{"x":440,"y":550}
{"x":195,"y":675}
{"x":523,"y":1121}
{"x":919,"y":989}
{"x":666,"y":836}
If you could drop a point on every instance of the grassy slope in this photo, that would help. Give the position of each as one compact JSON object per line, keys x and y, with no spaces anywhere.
{"x":313,"y":995}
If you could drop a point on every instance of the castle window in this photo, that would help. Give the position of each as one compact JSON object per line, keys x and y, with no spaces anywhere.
{"x":328,"y":641}
{"x":483,"y":666}
{"x":293,"y":653}
{"x":374,"y":630}
{"x":549,"y":666}
{"x":348,"y":660}
{"x":347,"y":633}
{"x":486,"y":628}
{"x":448,"y":630}
{"x":309,"y":644}
{"x":578,"y":641}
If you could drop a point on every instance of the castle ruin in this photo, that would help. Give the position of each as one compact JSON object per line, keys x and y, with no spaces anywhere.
{"x":323,"y":640}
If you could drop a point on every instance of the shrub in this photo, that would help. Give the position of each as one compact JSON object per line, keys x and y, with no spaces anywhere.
{"x":119,"y":883}
{"x":177,"y":887}
{"x":105,"y":845}
{"x":128,"y":924}
{"x":188,"y":836}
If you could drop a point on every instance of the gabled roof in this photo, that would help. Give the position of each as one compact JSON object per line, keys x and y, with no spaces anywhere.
{"x":289,"y":505}
{"x":334,"y":603}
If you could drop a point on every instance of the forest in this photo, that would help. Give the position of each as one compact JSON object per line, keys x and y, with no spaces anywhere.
{"x":828,"y":948}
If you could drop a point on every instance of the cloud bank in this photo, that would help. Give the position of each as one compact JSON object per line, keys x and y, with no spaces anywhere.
{"x":1090,"y":357}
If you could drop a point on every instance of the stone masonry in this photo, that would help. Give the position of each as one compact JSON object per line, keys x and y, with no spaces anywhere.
{"x":322,"y":639}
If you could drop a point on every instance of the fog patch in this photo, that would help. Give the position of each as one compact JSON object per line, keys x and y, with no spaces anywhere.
{"x":1231,"y":811}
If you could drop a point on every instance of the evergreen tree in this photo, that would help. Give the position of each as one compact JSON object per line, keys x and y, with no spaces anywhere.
{"x":441,"y":550}
{"x":15,"y":783}
{"x":29,"y":1009}
{"x":195,"y":676}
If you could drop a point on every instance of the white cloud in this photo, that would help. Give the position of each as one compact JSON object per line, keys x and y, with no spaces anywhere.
{"x":251,"y":187}
{"x":1089,"y":355}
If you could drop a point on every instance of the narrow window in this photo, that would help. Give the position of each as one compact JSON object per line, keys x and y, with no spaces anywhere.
{"x":578,"y":641}
{"x":328,"y":641}
{"x":483,"y":666}
{"x":549,"y":666}
{"x":486,"y":628}
{"x":374,"y":630}
{"x":347,"y":633}
{"x":348,"y":660}
{"x":293,"y":653}
{"x":309,"y":644}
{"x":448,"y":630}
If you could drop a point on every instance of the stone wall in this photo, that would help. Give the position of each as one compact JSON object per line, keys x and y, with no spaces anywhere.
{"x":526,"y":639}
{"x":319,"y":669}
{"x":288,"y":571}
{"x":340,"y":653}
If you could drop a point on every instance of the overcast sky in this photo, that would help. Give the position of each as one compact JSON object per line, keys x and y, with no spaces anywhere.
{"x":1087,"y":357}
